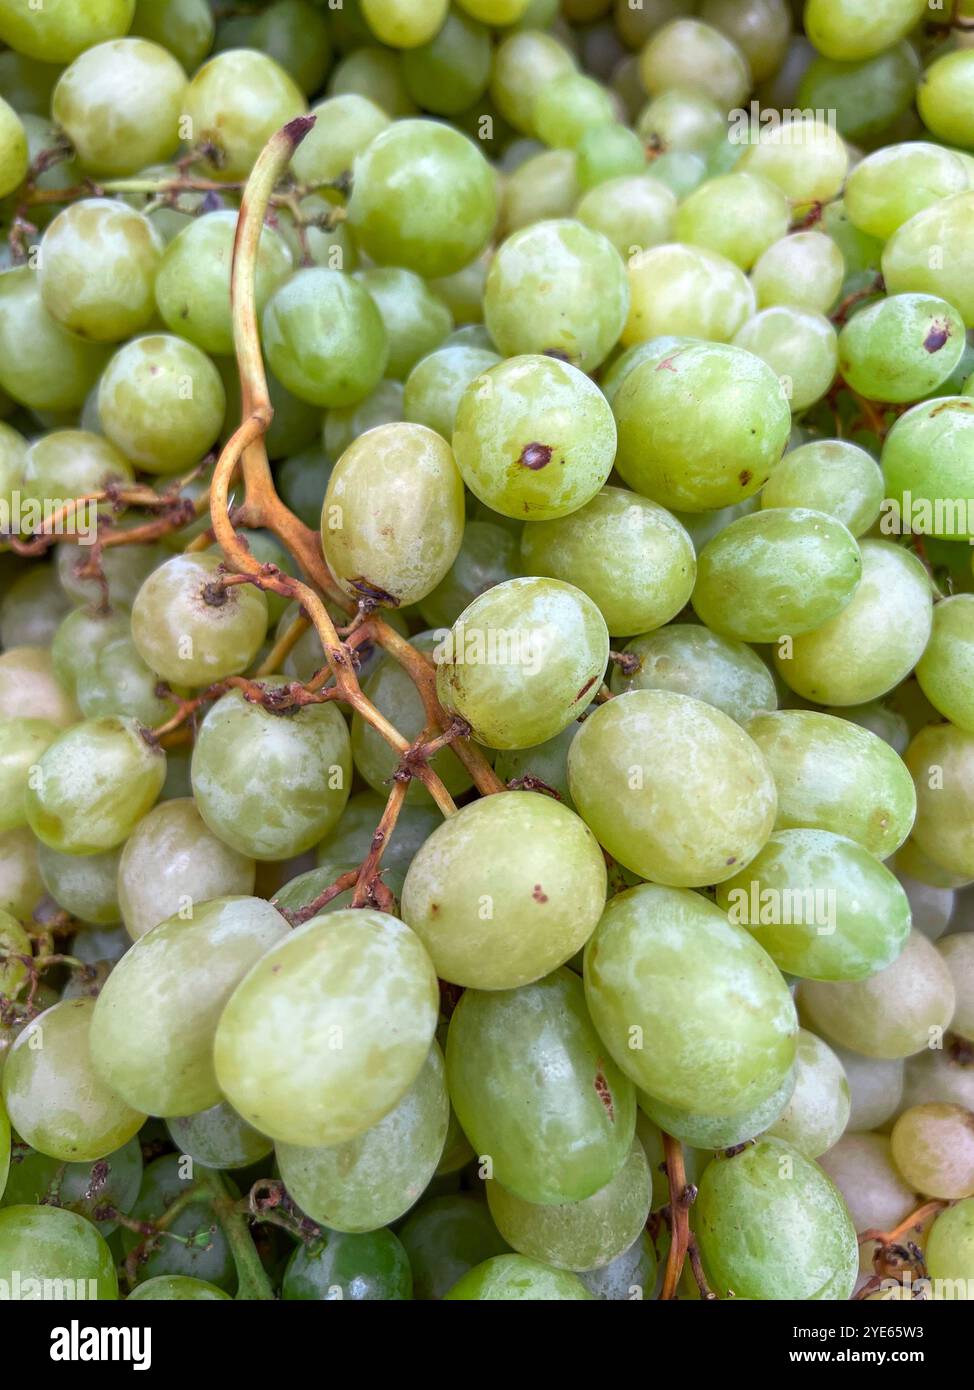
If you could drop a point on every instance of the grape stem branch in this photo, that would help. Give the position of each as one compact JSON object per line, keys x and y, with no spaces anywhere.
{"x":682,"y":1241}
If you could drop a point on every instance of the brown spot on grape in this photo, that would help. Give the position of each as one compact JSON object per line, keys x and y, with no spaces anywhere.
{"x":732,"y":860}
{"x":603,"y":1092}
{"x":434,"y":909}
{"x":586,"y":688}
{"x":937,"y":336}
{"x":744,"y":477}
{"x":536,"y":456}
{"x":538,"y":894}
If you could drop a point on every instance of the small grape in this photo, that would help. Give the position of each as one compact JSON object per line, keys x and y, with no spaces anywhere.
{"x":508,"y":1277}
{"x":634,"y":211}
{"x":218,"y":1138}
{"x":688,"y":53}
{"x":800,"y":347}
{"x":344,"y":127}
{"x":48,"y":1245}
{"x":42,"y":365}
{"x":235,"y":103}
{"x":524,"y":63}
{"x":832,"y":476}
{"x":933,"y":1147}
{"x":689,"y":659}
{"x":805,"y":269}
{"x":950,"y":1245}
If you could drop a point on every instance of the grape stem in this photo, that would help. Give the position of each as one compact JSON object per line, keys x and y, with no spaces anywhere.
{"x":912,"y":1222}
{"x":682,"y":1242}
{"x":252,"y":1280}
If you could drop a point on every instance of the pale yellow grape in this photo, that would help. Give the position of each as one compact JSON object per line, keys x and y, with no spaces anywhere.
{"x":21,"y":885}
{"x":172,"y":863}
{"x":689,"y":659}
{"x":634,"y":211}
{"x":673,"y":788}
{"x":737,"y":215}
{"x":829,"y":475}
{"x":800,"y":347}
{"x":522,"y":661}
{"x":946,"y":669}
{"x":890,"y":185}
{"x":56,"y":1100}
{"x":941,"y":759}
{"x":687,"y":53}
{"x":371,"y":1180}
{"x":908,"y":266}
{"x":894,"y":1013}
{"x":404,"y":23}
{"x":833,"y":775}
{"x":914,"y":861}
{"x":505,"y":891}
{"x":850,"y":30}
{"x":933,"y":1147}
{"x":523,"y":61}
{"x":28,"y":681}
{"x":14,"y":156}
{"x":805,"y":269}
{"x":818,"y":1112}
{"x":949,"y":1250}
{"x":327,"y":1033}
{"x":874,"y":642}
{"x":156,"y":1017}
{"x":22,"y":741}
{"x":681,"y":119}
{"x":688,"y":290}
{"x":807,"y":159}
{"x":581,"y":1235}
{"x":936,"y":1074}
{"x":662,"y":954}
{"x":392,"y":520}
{"x":958,"y":951}
{"x":236,"y":101}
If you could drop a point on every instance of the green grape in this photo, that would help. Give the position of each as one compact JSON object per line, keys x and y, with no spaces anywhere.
{"x":49,"y":1253}
{"x":630,"y":1276}
{"x":708,"y":1132}
{"x":218,"y":1138}
{"x":376,"y":75}
{"x":14,"y":942}
{"x":944,"y":98}
{"x":445,"y":1237}
{"x":352,"y":837}
{"x":821,"y":905}
{"x":833,"y":775}
{"x":891,"y":185}
{"x":83,"y":885}
{"x":96,"y":268}
{"x":928,"y":464}
{"x":56,"y":1099}
{"x":463,"y":294}
{"x":567,"y":106}
{"x":908,"y":266}
{"x":799,"y":346}
{"x":404,"y":23}
{"x":681,"y":171}
{"x":14,"y":153}
{"x":557,"y":287}
{"x":328,"y":1032}
{"x":635,"y":26}
{"x":202,"y":1254}
{"x":119,"y":682}
{"x":59,"y":30}
{"x":534,"y":438}
{"x":299,"y":892}
{"x":805,"y":269}
{"x":295,"y":34}
{"x":120,"y":104}
{"x":524,"y":64}
{"x":295,"y":426}
{"x":893,"y":1013}
{"x":634,"y":211}
{"x":266,"y":548}
{"x":344,"y":127}
{"x":192,"y":288}
{"x":110,"y":1183}
{"x":738,"y":215}
{"x":190,"y":966}
{"x":22,"y":741}
{"x":941,"y":758}
{"x":71,"y":463}
{"x":673,"y":788}
{"x":235,"y":103}
{"x":415,"y":319}
{"x":522,"y":661}
{"x":192,"y":630}
{"x":691,"y":660}
{"x":958,"y":951}
{"x":21,"y":887}
{"x":370,"y":1180}
{"x":874,"y":642}
{"x":777,"y":572}
{"x":806,"y":158}
{"x":772,"y":1225}
{"x":176,"y":1288}
{"x":831,"y":476}
{"x":516,"y":1277}
{"x":687,"y":53}
{"x":914,"y":861}
{"x":850,"y":29}
{"x":161,"y":402}
{"x":631,"y":556}
{"x":558,"y":1143}
{"x":901,"y":348}
{"x":681,"y":118}
{"x":185,"y":27}
{"x":933,"y":1147}
{"x":761,"y":29}
{"x":32,"y":608}
{"x":392,"y":520}
{"x":423,"y":198}
{"x":93,"y":784}
{"x":171,"y":864}
{"x":702,"y":427}
{"x":26,"y":83}
{"x":946,"y":669}
{"x":583,"y":1235}
{"x":544,"y":187}
{"x":302,"y":480}
{"x":124,"y":568}
{"x":336,"y":1266}
{"x":493,"y":928}
{"x":450,"y":71}
{"x":324,"y":337}
{"x":686,"y":290}
{"x":865,"y":97}
{"x":394,"y":694}
{"x":343,"y":425}
{"x":13,"y":452}
{"x":42,"y":365}
{"x":496,"y":12}
{"x":726,"y":1055}
{"x":436,"y":383}
{"x":271,"y":784}
{"x":546,"y":762}
{"x":608,"y":152}
{"x":653,"y":349}
{"x":949,"y":1250}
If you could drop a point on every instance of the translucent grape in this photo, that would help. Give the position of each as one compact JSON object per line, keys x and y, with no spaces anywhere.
{"x":42,"y":365}
{"x":344,"y":424}
{"x":902,"y":348}
{"x":124,"y":568}
{"x":687,"y":290}
{"x":376,"y":74}
{"x":202,"y":1253}
{"x":435,"y":385}
{"x":933,"y":1147}
{"x":944,"y":98}
{"x":908,"y":266}
{"x":799,"y":346}
{"x":631,"y":1275}
{"x":235,"y":102}
{"x":522,"y":661}
{"x":446,"y":1236}
{"x":807,"y":159}
{"x":681,"y":119}
{"x":890,"y":185}
{"x":547,"y":762}
{"x":708,"y":1132}
{"x":89,"y":1188}
{"x":21,"y":887}
{"x":946,"y":669}
{"x":338,"y":1266}
{"x":737,"y":215}
{"x":416,"y":320}
{"x":687,"y":53}
{"x":634,"y":211}
{"x":295,"y":33}
{"x":218,"y":1138}
{"x":185,"y":27}
{"x":941,"y":759}
{"x":832,"y":476}
{"x":568,"y":106}
{"x":850,"y":29}
{"x":689,"y":659}
{"x":949,"y":1249}
{"x":608,"y":152}
{"x":352,"y":836}
{"x":161,"y":1059}
{"x":805,"y":269}
{"x":515,"y":1277}
{"x":761,"y":29}
{"x":867,"y":97}
{"x":41,"y":1248}
{"x":558,"y":1143}
{"x":543,"y":187}
{"x":14,"y":154}
{"x":928,"y":464}
{"x":818,"y":1112}
{"x":524,"y":63}
{"x":22,"y":741}
{"x":344,"y":126}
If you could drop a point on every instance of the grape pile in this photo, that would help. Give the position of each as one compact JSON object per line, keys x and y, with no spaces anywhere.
{"x":487,"y":649}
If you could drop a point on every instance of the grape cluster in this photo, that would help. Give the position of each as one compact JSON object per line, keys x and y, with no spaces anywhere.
{"x":487,"y":649}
